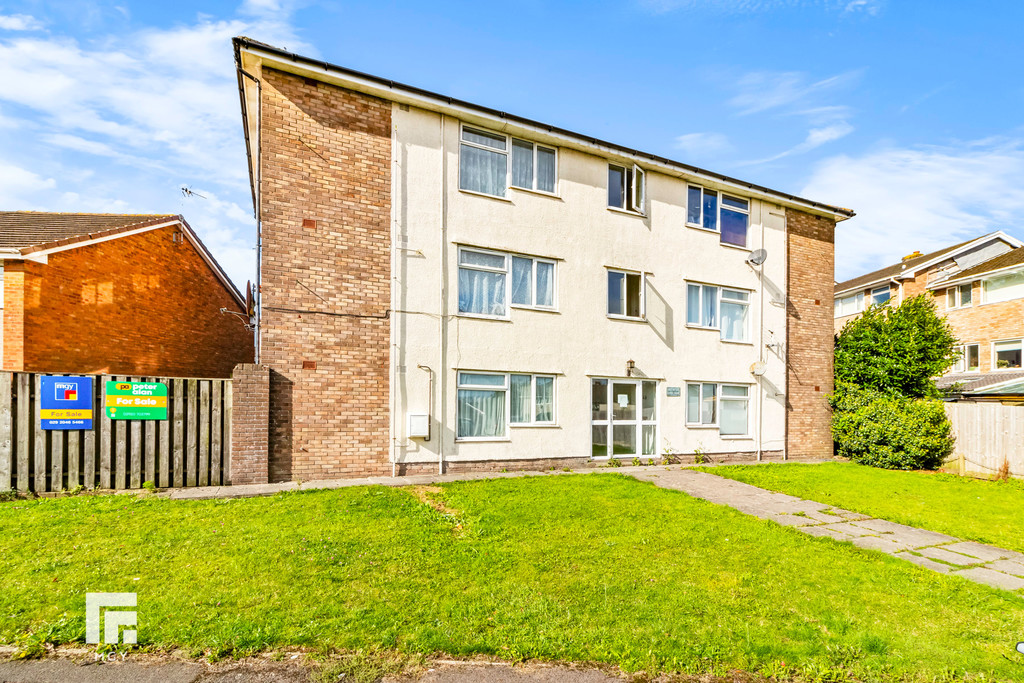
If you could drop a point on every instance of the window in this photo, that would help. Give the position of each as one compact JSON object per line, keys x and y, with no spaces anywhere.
{"x":627,"y":187}
{"x":718,"y":308}
{"x":848,"y":305}
{"x":533,"y":399}
{"x":624,"y":417}
{"x":1004,"y":287}
{"x":625,"y":294}
{"x":481,"y":405}
{"x":725,"y":214}
{"x":488,"y":402}
{"x":1007,"y":354}
{"x":484,"y":282}
{"x":880,"y":295}
{"x":958,"y":297}
{"x":533,"y":166}
{"x":726,"y":406}
{"x":483,"y":162}
{"x":969,"y":358}
{"x":533,"y":282}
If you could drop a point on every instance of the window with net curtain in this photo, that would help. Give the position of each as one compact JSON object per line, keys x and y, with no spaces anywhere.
{"x":532,"y":399}
{"x":734,"y":402}
{"x":481,"y":405}
{"x":483,"y":162}
{"x":482,"y":283}
{"x":734,"y":306}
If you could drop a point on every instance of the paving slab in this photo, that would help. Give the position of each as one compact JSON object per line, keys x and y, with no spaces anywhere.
{"x":880,"y":543}
{"x":941,"y":553}
{"x":985,"y":553}
{"x":68,"y":671}
{"x":992,"y":578}
{"x":1007,"y":567}
{"x":850,"y":529}
{"x":826,"y":532}
{"x":925,"y":562}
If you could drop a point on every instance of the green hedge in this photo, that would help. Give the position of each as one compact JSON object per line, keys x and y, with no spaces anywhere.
{"x":896,"y":433}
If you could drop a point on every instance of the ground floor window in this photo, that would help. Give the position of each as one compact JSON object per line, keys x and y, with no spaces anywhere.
{"x":489,"y":401}
{"x":969,"y":360}
{"x":1007,"y":354}
{"x":624,"y":417}
{"x":726,"y":406}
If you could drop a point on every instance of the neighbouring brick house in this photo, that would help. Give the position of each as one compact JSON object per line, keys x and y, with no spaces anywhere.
{"x":445,"y":286}
{"x":978,"y":285}
{"x":118,"y":294}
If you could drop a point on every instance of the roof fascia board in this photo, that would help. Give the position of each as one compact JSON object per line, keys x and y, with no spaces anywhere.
{"x":541,"y":133}
{"x":98,"y":240}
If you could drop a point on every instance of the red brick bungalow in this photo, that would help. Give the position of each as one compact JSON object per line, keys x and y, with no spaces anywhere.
{"x":118,"y":294}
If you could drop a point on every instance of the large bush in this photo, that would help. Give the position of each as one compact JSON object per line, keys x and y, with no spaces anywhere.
{"x":885,"y":430}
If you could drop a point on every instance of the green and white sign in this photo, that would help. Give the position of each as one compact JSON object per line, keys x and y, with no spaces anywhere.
{"x":136,"y":401}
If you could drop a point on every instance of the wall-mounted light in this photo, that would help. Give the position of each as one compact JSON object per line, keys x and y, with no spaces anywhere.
{"x":630,"y":367}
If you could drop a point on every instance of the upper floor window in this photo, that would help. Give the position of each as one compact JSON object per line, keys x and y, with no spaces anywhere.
{"x":627,"y":187}
{"x":484,"y":282}
{"x":1004,"y":287}
{"x":848,"y":305}
{"x":718,"y":308}
{"x":625,"y":294}
{"x":880,"y":295}
{"x":533,"y":166}
{"x":713,"y":210}
{"x":958,"y":297}
{"x":484,"y":163}
{"x":969,"y":360}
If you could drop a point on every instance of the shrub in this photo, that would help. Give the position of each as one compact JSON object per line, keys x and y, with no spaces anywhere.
{"x":883,"y":430}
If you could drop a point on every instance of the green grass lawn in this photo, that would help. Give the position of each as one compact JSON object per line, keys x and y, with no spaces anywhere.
{"x":972,"y":509}
{"x":596,"y":567}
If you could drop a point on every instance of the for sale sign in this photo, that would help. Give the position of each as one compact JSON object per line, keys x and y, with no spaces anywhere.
{"x":65,"y":402}
{"x":136,"y":401}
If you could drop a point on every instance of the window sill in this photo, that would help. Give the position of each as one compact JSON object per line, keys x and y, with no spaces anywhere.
{"x":542,"y":193}
{"x":485,"y":195}
{"x":538,"y":309}
{"x":628,"y":212}
{"x":482,"y":439}
{"x":477,"y":316}
{"x":735,"y":246}
{"x":713,"y":231}
{"x":626,"y":318}
{"x":736,"y":341}
{"x":535,"y":426}
{"x":701,"y":327}
{"x":694,"y":426}
{"x":736,"y":437}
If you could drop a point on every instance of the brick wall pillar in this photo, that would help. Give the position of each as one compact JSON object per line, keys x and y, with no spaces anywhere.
{"x":250,"y":424}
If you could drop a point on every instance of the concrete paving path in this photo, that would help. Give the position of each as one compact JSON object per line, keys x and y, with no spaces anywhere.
{"x":981,"y":563}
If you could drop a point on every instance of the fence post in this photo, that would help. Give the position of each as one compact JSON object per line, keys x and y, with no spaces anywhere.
{"x":250,"y":424}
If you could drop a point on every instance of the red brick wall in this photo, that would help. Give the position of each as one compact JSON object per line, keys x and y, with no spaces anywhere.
{"x":138,"y":305}
{"x":983,"y":324}
{"x":325,"y":158}
{"x":250,"y":424}
{"x":14,"y":315}
{"x":809,"y":334}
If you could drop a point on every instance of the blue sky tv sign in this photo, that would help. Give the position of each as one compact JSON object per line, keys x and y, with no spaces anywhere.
{"x":65,"y":402}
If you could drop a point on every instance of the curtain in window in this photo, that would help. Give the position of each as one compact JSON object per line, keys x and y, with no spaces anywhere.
{"x":708,"y":412}
{"x":545,"y":169}
{"x":693,"y":403}
{"x":522,"y":281}
{"x":522,"y":164}
{"x":545,"y":399}
{"x":481,"y":292}
{"x":693,"y":304}
{"x":1004,"y":287}
{"x":710,"y":210}
{"x":734,"y":417}
{"x":481,"y":413}
{"x":520,"y":398}
{"x":481,"y":170}
{"x":734,"y":321}
{"x":545,"y":284}
{"x":693,"y":195}
{"x":710,"y":313}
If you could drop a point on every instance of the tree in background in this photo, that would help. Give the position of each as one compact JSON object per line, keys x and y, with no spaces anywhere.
{"x":896,"y":351}
{"x":884,"y":409}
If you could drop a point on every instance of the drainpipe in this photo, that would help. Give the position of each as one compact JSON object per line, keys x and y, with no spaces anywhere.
{"x":394,"y":425}
{"x":760,"y":342}
{"x":443,"y":293}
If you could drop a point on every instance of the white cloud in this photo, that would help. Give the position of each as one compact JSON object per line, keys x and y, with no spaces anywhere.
{"x":920,"y":199}
{"x":17,"y":183}
{"x":19,"y":22}
{"x":763,"y":90}
{"x":869,"y":7}
{"x":702,"y":145}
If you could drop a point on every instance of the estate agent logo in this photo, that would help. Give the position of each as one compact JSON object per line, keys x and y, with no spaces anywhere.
{"x":113,"y":620}
{"x":65,"y":391}
{"x":66,"y":402}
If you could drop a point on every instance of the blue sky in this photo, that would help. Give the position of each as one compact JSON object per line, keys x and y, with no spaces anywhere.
{"x":909,"y":113}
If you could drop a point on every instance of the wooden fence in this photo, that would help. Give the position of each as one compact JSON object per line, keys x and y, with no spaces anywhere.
{"x":190,"y":448}
{"x":986,"y":435}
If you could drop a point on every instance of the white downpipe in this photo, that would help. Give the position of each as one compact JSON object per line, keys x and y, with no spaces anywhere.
{"x":443,"y":318}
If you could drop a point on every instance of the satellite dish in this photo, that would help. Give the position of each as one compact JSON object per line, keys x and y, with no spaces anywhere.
{"x":758,"y":368}
{"x":757,"y":257}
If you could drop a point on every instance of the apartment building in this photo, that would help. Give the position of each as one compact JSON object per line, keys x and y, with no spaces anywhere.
{"x":978,"y":285}
{"x":448,"y":287}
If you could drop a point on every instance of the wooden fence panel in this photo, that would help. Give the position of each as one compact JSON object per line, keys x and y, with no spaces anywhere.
{"x":216,"y":473}
{"x":191,"y":434}
{"x":6,"y":431}
{"x":179,"y":433}
{"x":40,"y":439}
{"x":204,"y":433}
{"x":24,"y":430}
{"x":106,"y":427}
{"x":987,"y":434}
{"x":74,"y":457}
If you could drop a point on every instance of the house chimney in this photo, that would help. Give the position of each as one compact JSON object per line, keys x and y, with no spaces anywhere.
{"x":910,"y":256}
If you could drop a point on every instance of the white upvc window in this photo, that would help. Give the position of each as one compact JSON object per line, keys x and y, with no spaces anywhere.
{"x":485,"y":167}
{"x":624,"y":417}
{"x":627,"y":188}
{"x":489,"y":280}
{"x":1006,"y":355}
{"x":969,"y":360}
{"x":725,"y":406}
{"x":532,"y":399}
{"x":719,"y":308}
{"x":1004,"y":287}
{"x":848,"y":305}
{"x":719,"y":212}
{"x":959,"y":296}
{"x":534,"y":167}
{"x":879,"y":295}
{"x":626,"y":296}
{"x":482,"y":406}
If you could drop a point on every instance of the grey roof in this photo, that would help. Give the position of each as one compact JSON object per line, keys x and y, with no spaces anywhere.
{"x":23,"y":229}
{"x":1014,"y":257}
{"x":898,"y":268}
{"x":973,"y":381}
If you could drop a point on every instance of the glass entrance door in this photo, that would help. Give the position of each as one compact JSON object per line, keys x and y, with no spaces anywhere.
{"x":623,"y":417}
